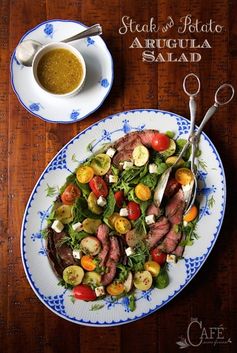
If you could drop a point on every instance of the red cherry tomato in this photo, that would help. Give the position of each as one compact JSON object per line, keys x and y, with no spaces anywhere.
{"x":70,"y":194}
{"x":119,"y":197}
{"x":158,"y":256}
{"x":98,"y":186}
{"x":134,"y":211}
{"x":160,"y":142}
{"x":84,"y":292}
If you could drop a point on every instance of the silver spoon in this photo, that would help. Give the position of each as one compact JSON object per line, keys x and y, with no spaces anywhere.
{"x":26,"y":50}
{"x":193,"y":140}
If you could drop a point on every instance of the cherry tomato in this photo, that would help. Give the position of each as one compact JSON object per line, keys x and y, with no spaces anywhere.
{"x":84,"y":292}
{"x":87,"y":263}
{"x":70,"y":194}
{"x":98,"y":186}
{"x":134,"y":211}
{"x":158,"y":256}
{"x":160,"y":142}
{"x":119,"y":197}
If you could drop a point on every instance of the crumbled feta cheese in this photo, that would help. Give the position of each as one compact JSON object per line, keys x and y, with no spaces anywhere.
{"x":77,"y":254}
{"x":113,"y":178}
{"x":101,"y":201}
{"x":152,"y":168}
{"x":171,"y":258}
{"x":150,"y":219}
{"x":57,"y":226}
{"x":99,"y":291}
{"x":127,"y":165}
{"x":123,"y":212}
{"x":185,"y":223}
{"x":77,"y":226}
{"x":111,"y":152}
{"x":129,"y":251}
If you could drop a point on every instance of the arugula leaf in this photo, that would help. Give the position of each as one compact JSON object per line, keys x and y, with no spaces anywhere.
{"x":170,"y":134}
{"x":85,"y":189}
{"x":123,"y":273}
{"x":64,"y":284}
{"x":179,"y":145}
{"x":111,"y":202}
{"x":137,"y":260}
{"x":114,"y":170}
{"x":189,"y":232}
{"x":75,"y":236}
{"x":122,"y":185}
{"x":162,"y":280}
{"x":132,"y":302}
{"x":150,"y":180}
{"x":81,"y":211}
{"x":71,"y":179}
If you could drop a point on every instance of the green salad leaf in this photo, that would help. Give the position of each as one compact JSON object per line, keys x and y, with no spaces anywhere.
{"x":162,"y":280}
{"x":81,"y":211}
{"x":110,"y":206}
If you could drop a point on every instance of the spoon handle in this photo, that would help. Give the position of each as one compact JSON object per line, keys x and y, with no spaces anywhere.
{"x":89,"y":32}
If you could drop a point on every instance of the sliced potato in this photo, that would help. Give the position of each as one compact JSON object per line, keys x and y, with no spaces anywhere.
{"x":142,"y":280}
{"x":91,"y":225}
{"x":153,"y":267}
{"x":128,"y":283}
{"x":140,"y":155}
{"x":90,"y":245}
{"x":64,"y":214}
{"x":92,"y":204}
{"x":73,"y":275}
{"x":92,"y":278}
{"x":173,"y":159}
{"x":101,"y":164}
{"x":170,"y":150}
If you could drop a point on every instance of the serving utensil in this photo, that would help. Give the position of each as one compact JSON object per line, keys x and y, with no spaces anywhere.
{"x":26,"y":50}
{"x":190,"y":190}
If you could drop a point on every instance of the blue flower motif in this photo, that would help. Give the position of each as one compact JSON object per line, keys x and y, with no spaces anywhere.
{"x":125,"y":303}
{"x":35,"y":236}
{"x":43,"y":214}
{"x":35,"y":107}
{"x":90,"y":41}
{"x":207,"y":191}
{"x":126,"y":126}
{"x":106,"y":135}
{"x":104,"y":82}
{"x":43,"y":251}
{"x":147,"y":295}
{"x":48,"y":30}
{"x":74,"y":114}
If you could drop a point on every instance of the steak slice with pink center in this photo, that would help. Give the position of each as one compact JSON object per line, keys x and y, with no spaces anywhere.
{"x":157,"y":231}
{"x":175,"y":208}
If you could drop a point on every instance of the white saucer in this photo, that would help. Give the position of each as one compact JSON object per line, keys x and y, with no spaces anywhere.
{"x":98,"y":82}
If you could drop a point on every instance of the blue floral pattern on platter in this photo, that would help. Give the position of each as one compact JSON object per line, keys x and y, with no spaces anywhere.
{"x":211,"y":191}
{"x":96,"y":88}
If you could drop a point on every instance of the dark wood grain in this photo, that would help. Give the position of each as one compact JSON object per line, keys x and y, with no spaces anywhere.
{"x":27,"y":144}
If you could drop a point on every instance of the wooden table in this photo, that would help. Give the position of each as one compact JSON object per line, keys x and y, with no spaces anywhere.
{"x":28,"y":144}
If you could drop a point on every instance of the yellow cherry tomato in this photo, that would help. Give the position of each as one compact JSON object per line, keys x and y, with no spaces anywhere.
{"x":142,"y":192}
{"x":184,"y":176}
{"x":153,"y":267}
{"x":115,"y":289}
{"x":87,"y":263}
{"x":84,"y":174}
{"x":191,"y":215}
{"x":113,"y":218}
{"x":122,"y":225}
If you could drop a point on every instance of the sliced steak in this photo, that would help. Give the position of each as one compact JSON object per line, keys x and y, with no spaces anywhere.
{"x":175,"y":208}
{"x":157,"y":231}
{"x":103,"y":236}
{"x":128,"y":142}
{"x":114,"y":252}
{"x":171,"y":241}
{"x":146,"y":137}
{"x":113,"y":258}
{"x":108,"y":277}
{"x":171,"y":188}
{"x":133,"y":238}
{"x":180,"y":248}
{"x":153,"y":210}
{"x":59,"y":253}
{"x":122,"y":156}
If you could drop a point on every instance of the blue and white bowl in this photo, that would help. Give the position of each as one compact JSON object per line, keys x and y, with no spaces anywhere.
{"x":98,"y":83}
